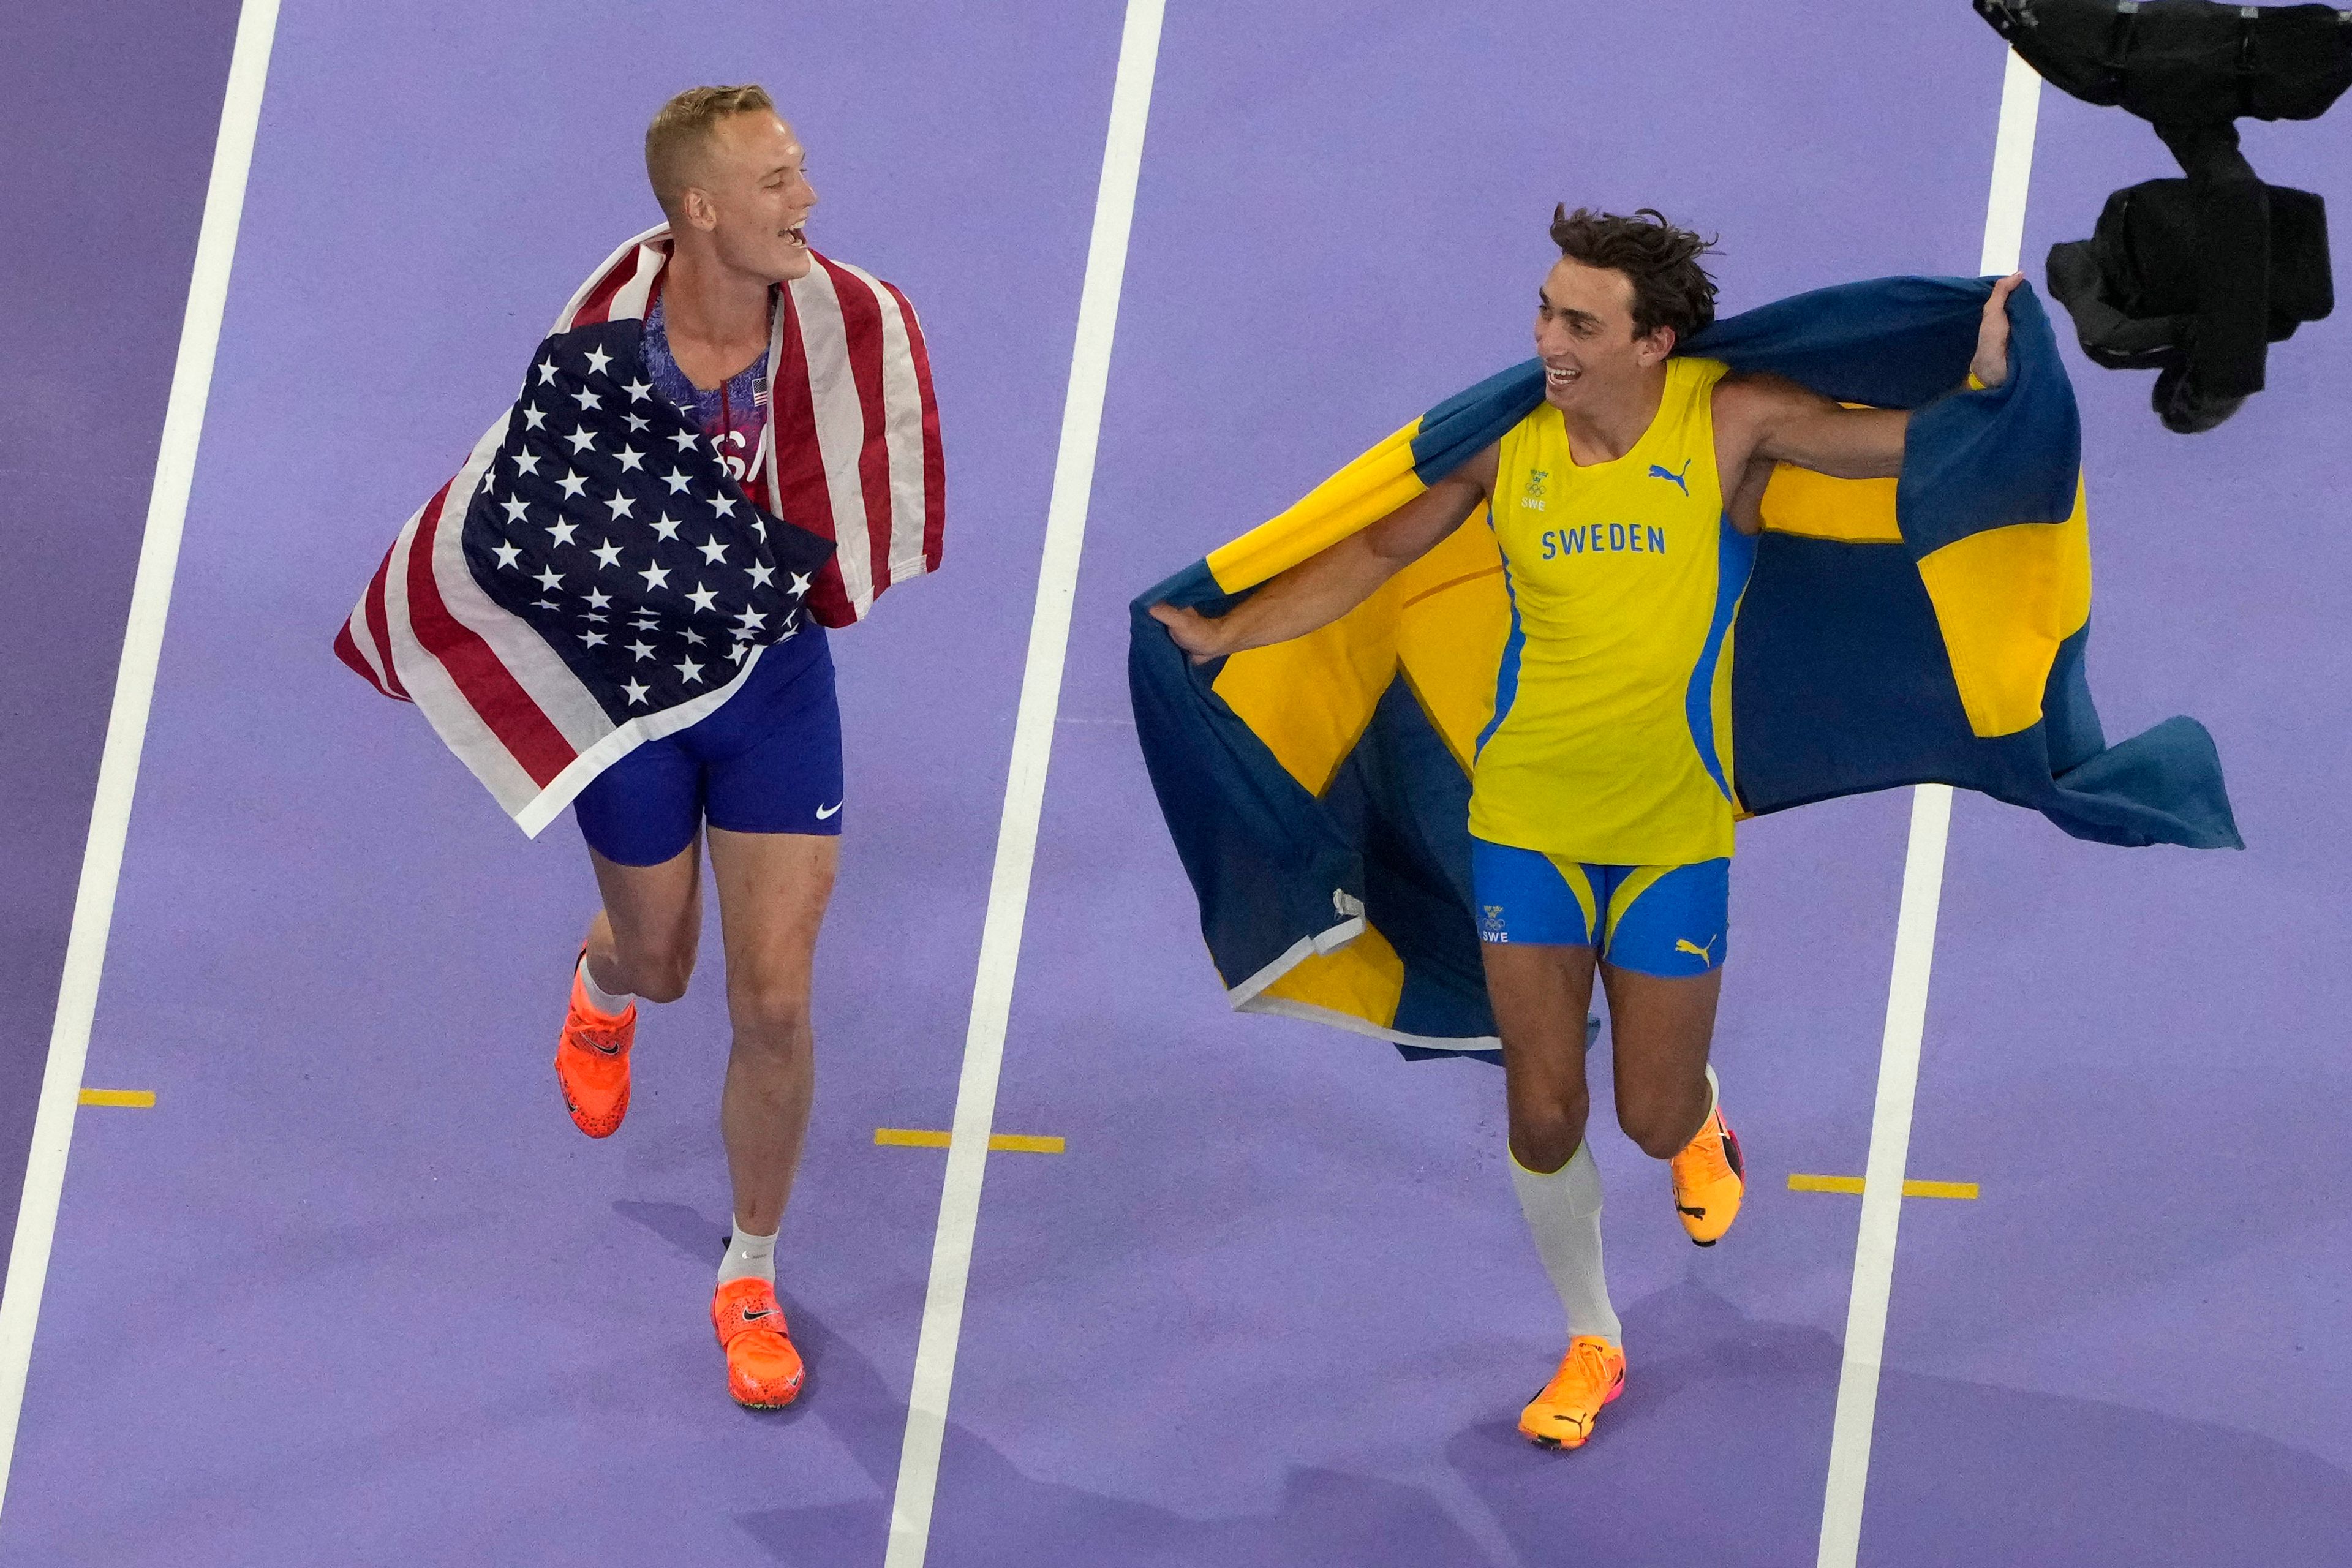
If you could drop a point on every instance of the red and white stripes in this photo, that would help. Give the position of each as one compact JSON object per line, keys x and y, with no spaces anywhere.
{"x":854,"y":446}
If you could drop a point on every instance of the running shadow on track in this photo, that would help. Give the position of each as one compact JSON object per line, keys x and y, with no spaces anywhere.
{"x":682,"y":1226}
{"x":1715,"y":1453}
{"x":989,"y":1512}
{"x":2041,"y":1480}
{"x":1719,"y":1452}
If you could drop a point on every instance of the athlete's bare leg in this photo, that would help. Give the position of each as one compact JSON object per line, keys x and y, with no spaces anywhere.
{"x":1660,"y":1030}
{"x":643,"y":941}
{"x":1540,"y":996}
{"x":772,"y":891}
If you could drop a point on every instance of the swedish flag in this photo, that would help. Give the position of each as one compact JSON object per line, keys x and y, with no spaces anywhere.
{"x":1928,"y":628}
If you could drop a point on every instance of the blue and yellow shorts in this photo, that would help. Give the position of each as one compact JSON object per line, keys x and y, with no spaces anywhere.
{"x":1667,"y":921}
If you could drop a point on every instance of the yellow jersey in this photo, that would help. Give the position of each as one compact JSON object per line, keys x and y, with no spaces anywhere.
{"x":1611,"y":741}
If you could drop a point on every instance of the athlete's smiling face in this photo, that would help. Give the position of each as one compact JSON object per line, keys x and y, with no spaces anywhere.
{"x":752,"y":195}
{"x":1584,"y":335}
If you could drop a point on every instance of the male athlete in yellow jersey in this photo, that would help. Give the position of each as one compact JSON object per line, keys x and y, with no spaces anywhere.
{"x":1626,"y":507}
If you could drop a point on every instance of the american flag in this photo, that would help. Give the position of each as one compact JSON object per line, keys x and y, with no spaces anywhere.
{"x":595,"y":576}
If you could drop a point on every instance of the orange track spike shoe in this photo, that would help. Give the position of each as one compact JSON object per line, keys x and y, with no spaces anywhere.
{"x":764,"y":1370}
{"x":591,"y":1063}
{"x":1709,"y":1180}
{"x":1590,"y":1374}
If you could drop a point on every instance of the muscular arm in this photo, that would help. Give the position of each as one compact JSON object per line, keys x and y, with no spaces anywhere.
{"x":1785,"y":423}
{"x":1326,"y":585}
{"x":1762,"y":420}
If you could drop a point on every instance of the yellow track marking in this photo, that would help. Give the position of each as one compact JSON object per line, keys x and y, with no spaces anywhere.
{"x":1910,"y":1189}
{"x":1002,"y":1144}
{"x":1940,"y":1189}
{"x":140,"y":1098}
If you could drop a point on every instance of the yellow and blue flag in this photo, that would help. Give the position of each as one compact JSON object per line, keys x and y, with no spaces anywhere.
{"x":1928,"y":628}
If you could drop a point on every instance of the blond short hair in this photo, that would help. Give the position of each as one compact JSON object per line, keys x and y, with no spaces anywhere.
{"x":675,"y":139}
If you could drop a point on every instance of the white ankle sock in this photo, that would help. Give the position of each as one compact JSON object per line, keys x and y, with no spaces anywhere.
{"x":1563,"y":1210}
{"x":603,"y":1001}
{"x":1714,"y":1091}
{"x":748,"y":1257}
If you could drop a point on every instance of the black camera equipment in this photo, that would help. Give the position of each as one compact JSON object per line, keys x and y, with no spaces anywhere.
{"x":2193,"y":277}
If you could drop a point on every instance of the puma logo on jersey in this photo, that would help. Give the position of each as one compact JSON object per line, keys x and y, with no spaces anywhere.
{"x":1691,"y":947}
{"x":1660,"y":471}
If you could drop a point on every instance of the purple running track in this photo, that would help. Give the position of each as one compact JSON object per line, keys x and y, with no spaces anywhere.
{"x":1275,"y":1305}
{"x":1298,"y":1325}
{"x":106,"y":116}
{"x":384,"y":1304}
{"x":2135,"y":1340}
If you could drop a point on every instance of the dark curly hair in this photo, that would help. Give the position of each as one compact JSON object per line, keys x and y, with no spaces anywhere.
{"x":1670,"y":287}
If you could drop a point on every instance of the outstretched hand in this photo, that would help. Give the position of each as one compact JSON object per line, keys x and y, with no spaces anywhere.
{"x":1991,"y":365}
{"x":1195,"y":633}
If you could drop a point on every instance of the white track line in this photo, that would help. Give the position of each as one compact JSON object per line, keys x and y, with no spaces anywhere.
{"x":126,"y":724}
{"x":1024,"y":789}
{"x":1914,"y":956}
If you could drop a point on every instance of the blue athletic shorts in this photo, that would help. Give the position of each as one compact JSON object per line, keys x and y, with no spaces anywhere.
{"x":769,"y":761}
{"x":1668,"y":920}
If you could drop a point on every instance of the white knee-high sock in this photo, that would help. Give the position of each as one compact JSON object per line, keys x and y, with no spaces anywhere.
{"x":1563,"y":1210}
{"x":611,"y":1004}
{"x":748,"y":1257}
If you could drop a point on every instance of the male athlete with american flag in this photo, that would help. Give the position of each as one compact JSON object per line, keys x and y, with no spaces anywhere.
{"x":727,"y":444}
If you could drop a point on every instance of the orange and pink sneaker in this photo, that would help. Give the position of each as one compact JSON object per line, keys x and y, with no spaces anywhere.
{"x":591,"y":1063}
{"x":764,"y":1370}
{"x":1709,"y":1180}
{"x":1590,"y":1375}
